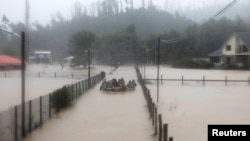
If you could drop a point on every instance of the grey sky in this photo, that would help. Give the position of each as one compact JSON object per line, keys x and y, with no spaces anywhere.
{"x":42,"y":10}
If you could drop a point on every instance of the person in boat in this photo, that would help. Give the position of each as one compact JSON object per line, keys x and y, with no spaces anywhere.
{"x":104,"y":84}
{"x":133,"y":83}
{"x":121,"y":86}
{"x":129,"y":85}
{"x":115,"y":83}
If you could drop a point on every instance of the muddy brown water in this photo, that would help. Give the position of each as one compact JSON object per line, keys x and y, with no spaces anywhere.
{"x":97,"y":115}
{"x":10,"y":86}
{"x":188,"y":109}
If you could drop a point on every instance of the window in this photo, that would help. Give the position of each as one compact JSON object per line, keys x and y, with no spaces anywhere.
{"x":228,"y":47}
{"x":244,"y":48}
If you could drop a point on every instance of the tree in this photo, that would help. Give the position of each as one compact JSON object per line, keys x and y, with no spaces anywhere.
{"x":123,"y":46}
{"x":79,"y":44}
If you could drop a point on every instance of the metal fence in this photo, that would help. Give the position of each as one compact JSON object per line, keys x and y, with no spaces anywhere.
{"x":73,"y":75}
{"x":203,"y":80}
{"x":37,"y":111}
{"x":160,"y":129}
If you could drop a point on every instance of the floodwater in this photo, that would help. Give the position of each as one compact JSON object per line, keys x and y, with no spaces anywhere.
{"x":35,"y":86}
{"x":107,"y":116}
{"x":188,"y":109}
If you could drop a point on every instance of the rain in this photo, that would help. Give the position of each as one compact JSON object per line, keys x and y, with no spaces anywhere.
{"x":123,"y":69}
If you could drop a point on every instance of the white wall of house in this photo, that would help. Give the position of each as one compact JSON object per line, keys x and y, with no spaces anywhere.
{"x":233,"y":43}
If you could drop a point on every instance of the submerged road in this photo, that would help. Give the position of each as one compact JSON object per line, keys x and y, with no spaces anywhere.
{"x":101,"y":116}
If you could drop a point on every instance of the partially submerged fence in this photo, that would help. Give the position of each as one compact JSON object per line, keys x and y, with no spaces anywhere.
{"x":41,"y":109}
{"x":203,"y":80}
{"x":160,"y":129}
{"x":73,"y":75}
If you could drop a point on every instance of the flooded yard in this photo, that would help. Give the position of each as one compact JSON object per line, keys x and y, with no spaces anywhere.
{"x":10,"y":81}
{"x":188,"y":109}
{"x":98,"y":115}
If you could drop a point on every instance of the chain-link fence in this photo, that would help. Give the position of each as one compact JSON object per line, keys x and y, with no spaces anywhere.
{"x":73,"y":75}
{"x":39,"y":110}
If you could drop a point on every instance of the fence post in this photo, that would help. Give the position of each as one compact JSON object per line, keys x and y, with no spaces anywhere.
{"x":91,"y":82}
{"x":50,"y":105}
{"x":76,"y":90}
{"x":171,"y":139}
{"x":226,"y":80}
{"x":72,"y":75}
{"x":150,"y":106}
{"x":41,"y":119}
{"x":147,"y":94}
{"x":160,"y":127}
{"x":249,"y":81}
{"x":83,"y":85}
{"x":203,"y":80}
{"x":87,"y":84}
{"x":16,"y":134}
{"x":72,"y":90}
{"x":30,"y":120}
{"x":156,"y":121}
{"x":79,"y":87}
{"x":182,"y":79}
{"x":161,"y":79}
{"x":153,"y":113}
{"x":55,"y":74}
{"x":165,"y":132}
{"x":39,"y":75}
{"x":5,"y":75}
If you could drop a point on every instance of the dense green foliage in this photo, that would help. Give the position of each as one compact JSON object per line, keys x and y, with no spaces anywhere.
{"x":244,"y":66}
{"x":61,"y":98}
{"x":119,"y":47}
{"x":189,"y":63}
{"x":80,"y":45}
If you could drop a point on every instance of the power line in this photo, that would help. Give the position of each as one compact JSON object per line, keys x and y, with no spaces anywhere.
{"x":209,"y":21}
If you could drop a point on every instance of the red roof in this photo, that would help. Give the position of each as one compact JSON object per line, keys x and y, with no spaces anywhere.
{"x":8,"y":60}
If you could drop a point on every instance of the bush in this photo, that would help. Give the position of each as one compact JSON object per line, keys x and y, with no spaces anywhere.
{"x":190,"y":63}
{"x":244,"y":66}
{"x":62,"y":98}
{"x":231,"y":67}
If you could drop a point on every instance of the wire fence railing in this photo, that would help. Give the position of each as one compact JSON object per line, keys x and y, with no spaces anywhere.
{"x":51,"y":74}
{"x":203,"y":80}
{"x":39,"y":110}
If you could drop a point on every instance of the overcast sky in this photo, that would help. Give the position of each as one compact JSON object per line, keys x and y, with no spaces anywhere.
{"x":42,"y":10}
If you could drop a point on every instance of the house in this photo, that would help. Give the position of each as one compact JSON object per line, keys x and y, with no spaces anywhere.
{"x":8,"y":62}
{"x":67,"y":60}
{"x":236,"y":50}
{"x":41,"y":57}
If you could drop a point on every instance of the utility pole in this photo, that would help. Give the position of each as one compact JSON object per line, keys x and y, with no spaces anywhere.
{"x":144,"y":63}
{"x":23,"y":66}
{"x":23,"y":82}
{"x":89,"y":81}
{"x":158,"y":67}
